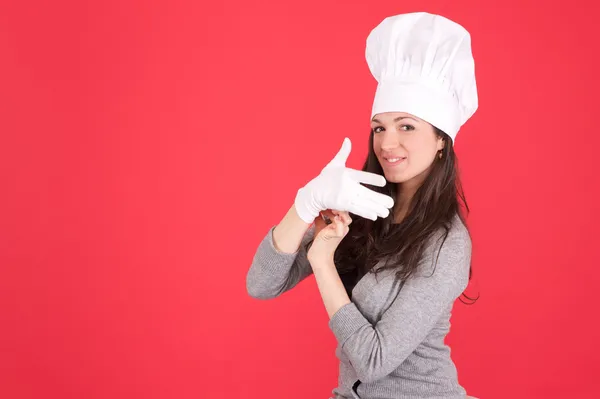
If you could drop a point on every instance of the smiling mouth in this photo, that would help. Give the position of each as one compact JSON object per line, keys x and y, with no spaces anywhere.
{"x":393,"y":161}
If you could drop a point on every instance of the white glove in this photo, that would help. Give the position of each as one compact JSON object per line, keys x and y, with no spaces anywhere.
{"x":338,"y":187}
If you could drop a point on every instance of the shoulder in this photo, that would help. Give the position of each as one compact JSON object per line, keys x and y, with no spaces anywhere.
{"x":448,"y":252}
{"x":460,"y":233}
{"x":454,"y":238}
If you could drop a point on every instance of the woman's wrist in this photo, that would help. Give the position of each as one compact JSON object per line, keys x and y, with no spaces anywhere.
{"x":322,"y":263}
{"x":288,"y":234}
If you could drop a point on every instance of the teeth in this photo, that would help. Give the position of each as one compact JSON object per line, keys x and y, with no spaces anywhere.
{"x":393,"y":159}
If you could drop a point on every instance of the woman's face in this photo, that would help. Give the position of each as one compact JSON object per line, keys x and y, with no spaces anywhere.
{"x":405,"y":146}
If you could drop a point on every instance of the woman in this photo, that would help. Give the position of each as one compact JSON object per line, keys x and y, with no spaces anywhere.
{"x":388,"y":279}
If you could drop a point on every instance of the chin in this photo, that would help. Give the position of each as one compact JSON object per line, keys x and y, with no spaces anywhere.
{"x":395,"y":177}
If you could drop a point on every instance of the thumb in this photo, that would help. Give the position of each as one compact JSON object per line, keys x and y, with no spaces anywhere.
{"x":342,"y":155}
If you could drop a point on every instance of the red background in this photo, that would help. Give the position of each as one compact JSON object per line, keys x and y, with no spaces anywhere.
{"x":147,"y":147}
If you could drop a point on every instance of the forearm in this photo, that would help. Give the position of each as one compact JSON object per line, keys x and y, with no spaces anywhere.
{"x":330,"y":286}
{"x":273,"y":271}
{"x":288,"y":234}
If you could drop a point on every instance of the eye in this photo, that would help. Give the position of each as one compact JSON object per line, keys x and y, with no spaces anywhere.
{"x":405,"y":128}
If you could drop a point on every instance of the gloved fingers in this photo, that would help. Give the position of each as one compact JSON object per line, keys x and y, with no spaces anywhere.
{"x":379,"y":209}
{"x":378,"y":198}
{"x":366,"y":177}
{"x":359,"y":210}
{"x":342,"y":155}
{"x":367,"y":208}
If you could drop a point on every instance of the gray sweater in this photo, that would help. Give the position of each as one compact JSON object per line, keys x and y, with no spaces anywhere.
{"x":391,"y":336}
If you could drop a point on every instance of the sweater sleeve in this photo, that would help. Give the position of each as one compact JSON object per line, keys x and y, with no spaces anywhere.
{"x":375,"y":350}
{"x":273,"y":272}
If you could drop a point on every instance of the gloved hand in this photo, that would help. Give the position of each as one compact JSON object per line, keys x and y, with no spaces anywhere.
{"x":338,"y":187}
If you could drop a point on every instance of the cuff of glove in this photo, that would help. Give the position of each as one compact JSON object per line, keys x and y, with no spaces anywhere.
{"x":301,"y":203}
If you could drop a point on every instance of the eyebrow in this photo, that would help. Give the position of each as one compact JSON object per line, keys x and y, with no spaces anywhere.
{"x":396,"y":119}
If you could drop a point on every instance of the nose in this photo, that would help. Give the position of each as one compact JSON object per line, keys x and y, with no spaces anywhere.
{"x":389,"y":141}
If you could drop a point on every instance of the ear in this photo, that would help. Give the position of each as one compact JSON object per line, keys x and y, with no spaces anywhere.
{"x":441,"y":143}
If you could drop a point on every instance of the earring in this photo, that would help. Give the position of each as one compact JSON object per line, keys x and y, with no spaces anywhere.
{"x":440,"y":154}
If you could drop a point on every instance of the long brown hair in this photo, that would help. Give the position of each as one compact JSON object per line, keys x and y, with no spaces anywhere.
{"x":433,"y":207}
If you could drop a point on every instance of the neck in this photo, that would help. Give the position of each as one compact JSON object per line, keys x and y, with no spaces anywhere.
{"x":402,"y":204}
{"x":404,"y":194}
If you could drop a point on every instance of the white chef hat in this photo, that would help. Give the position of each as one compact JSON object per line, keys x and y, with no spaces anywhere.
{"x":424,"y":66}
